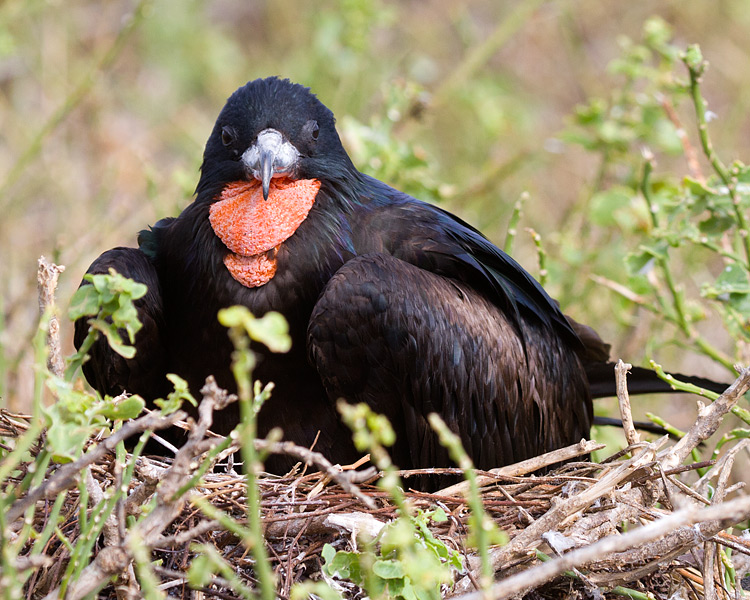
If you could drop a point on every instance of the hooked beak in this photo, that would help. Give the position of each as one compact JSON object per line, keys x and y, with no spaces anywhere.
{"x":270,"y":156}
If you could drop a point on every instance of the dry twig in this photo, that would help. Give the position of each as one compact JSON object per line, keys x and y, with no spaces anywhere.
{"x":47,"y":276}
{"x":621,"y":373}
{"x":527,"y":466}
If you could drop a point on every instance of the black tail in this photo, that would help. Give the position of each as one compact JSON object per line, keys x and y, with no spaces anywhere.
{"x":642,"y":425}
{"x":640,"y":381}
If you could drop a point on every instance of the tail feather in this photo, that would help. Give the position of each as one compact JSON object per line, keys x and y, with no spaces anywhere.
{"x":642,"y":425}
{"x":602,"y":382}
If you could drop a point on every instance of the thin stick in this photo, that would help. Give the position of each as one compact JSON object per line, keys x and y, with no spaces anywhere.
{"x":553,"y":519}
{"x":527,"y":466}
{"x":47,"y":276}
{"x":621,"y":373}
{"x":321,"y":462}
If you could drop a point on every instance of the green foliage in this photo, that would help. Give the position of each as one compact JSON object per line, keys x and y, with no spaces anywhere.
{"x":634,"y":113}
{"x":76,"y":415}
{"x":663,"y":222}
{"x":371,"y":430}
{"x":405,"y":560}
{"x":377,"y":150}
{"x":271,"y":329}
{"x":682,"y":238}
{"x":109,"y":301}
{"x":179,"y":394}
{"x":690,"y":216}
{"x":61,"y":432}
{"x":410,"y":563}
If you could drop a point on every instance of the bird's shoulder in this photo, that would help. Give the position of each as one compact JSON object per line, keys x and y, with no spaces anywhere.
{"x":436,"y":240}
{"x":148,"y":239}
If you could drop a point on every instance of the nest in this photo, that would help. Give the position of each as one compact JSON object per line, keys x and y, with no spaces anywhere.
{"x":630,"y":524}
{"x":640,"y":524}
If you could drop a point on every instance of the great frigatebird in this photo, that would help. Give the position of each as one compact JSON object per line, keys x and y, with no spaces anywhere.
{"x":390,"y":301}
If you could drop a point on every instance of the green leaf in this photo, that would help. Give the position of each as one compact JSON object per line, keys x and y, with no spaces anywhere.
{"x":233,"y":316}
{"x":606,"y":205}
{"x":396,"y":535}
{"x":641,"y":261}
{"x":181,"y":391}
{"x":126,"y":315}
{"x":84,"y":303}
{"x":638,"y":262}
{"x":127,"y":408}
{"x":174,"y":399}
{"x":716,"y":224}
{"x":423,"y":593}
{"x":345,"y":565}
{"x":438,"y":515}
{"x":401,"y":588}
{"x":732,"y":280}
{"x":388,"y":569}
{"x":109,"y":300}
{"x":114,"y":339}
{"x":698,"y":188}
{"x":328,"y":553}
{"x":271,"y":329}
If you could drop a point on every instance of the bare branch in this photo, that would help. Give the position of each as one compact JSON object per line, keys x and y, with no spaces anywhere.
{"x":621,"y":373}
{"x":47,"y":276}
{"x":527,"y":466}
{"x":343,"y":478}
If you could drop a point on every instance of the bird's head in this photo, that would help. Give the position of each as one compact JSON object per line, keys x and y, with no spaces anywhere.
{"x":273,"y":148}
{"x":273,"y":128}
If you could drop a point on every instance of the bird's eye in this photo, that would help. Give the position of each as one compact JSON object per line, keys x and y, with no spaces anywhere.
{"x":227,"y":135}
{"x":313,"y":129}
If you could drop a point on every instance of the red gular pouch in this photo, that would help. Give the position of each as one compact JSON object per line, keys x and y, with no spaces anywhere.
{"x":253,"y":228}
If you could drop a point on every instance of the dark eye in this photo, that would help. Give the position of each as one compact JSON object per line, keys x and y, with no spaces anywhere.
{"x":314,"y":129}
{"x":227,"y":135}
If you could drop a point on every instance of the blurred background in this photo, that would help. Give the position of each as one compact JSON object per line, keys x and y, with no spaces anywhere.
{"x":105,"y":108}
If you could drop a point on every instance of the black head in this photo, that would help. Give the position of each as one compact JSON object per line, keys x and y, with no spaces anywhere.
{"x":273,"y":127}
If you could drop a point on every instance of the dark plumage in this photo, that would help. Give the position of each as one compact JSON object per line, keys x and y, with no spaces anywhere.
{"x":390,"y":301}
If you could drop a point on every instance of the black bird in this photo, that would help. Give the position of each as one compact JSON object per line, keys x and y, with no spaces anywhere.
{"x":390,"y":301}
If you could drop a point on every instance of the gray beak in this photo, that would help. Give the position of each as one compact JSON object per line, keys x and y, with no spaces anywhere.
{"x":270,"y":156}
